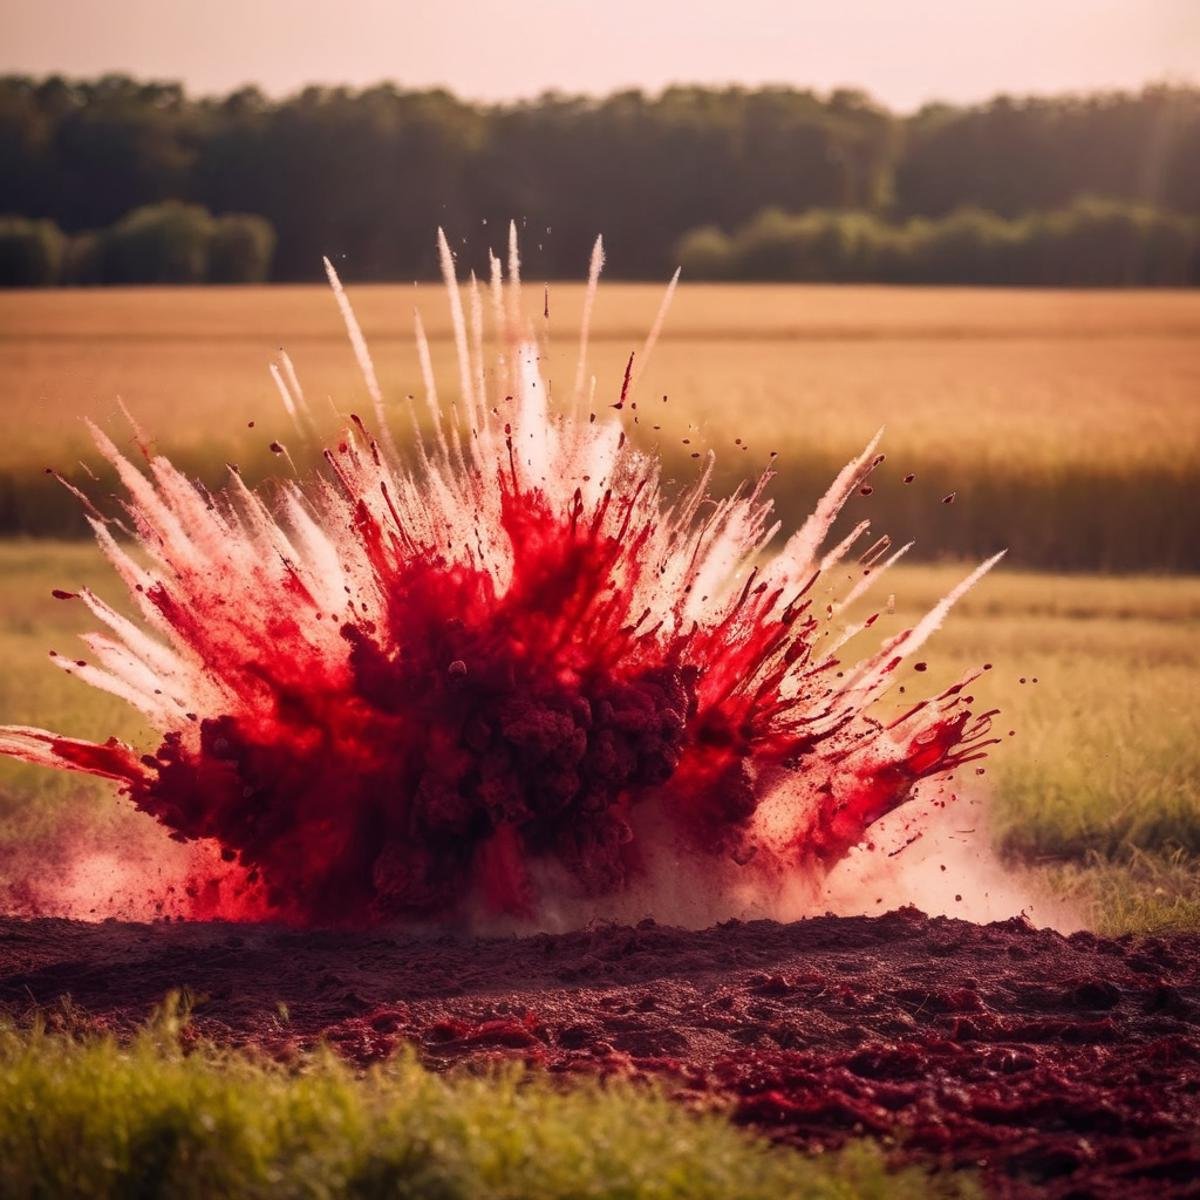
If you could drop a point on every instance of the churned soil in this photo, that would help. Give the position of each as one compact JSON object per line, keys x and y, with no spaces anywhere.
{"x":1059,"y":1066}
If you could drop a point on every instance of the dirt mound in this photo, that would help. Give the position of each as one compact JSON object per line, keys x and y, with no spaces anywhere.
{"x":1061,"y":1066}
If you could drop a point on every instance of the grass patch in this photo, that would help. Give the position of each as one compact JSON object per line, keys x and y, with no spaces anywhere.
{"x":86,"y":1116}
{"x":1145,"y":893}
{"x":1095,"y":678}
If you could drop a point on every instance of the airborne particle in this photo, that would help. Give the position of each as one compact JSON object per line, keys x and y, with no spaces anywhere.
{"x":539,"y":669}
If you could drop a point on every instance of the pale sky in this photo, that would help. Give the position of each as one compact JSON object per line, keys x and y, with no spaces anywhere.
{"x":903,"y":52}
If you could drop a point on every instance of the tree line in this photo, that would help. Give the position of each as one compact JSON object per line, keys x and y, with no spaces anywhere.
{"x":116,"y":179}
{"x":169,"y":242}
{"x":1090,"y":243}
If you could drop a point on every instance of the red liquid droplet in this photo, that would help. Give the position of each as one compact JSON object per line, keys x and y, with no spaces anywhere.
{"x":524,"y":678}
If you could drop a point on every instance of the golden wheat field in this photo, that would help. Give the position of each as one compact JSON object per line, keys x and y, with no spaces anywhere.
{"x":975,"y":373}
{"x":1067,"y":424}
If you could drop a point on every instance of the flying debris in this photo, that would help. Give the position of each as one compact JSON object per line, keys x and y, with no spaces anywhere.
{"x":493,"y":665}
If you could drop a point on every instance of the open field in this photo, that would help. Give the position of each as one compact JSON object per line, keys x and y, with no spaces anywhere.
{"x":1067,"y":422}
{"x":1103,"y":767}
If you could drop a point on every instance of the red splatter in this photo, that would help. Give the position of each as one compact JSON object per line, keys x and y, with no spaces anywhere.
{"x":422,"y":681}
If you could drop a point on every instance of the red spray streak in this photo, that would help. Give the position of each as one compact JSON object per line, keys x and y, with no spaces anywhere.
{"x":417,"y":683}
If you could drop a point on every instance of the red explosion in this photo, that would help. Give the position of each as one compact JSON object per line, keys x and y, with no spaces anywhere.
{"x":498,"y":667}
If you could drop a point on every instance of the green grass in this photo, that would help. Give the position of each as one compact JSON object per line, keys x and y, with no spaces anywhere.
{"x":87,"y":1116}
{"x":1101,"y":780}
{"x":33,"y":802}
{"x":1142,"y":893}
{"x":1106,"y":754}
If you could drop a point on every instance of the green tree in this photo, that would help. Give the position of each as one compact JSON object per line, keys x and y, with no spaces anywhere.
{"x":240,"y":249}
{"x":364,"y":176}
{"x":161,"y":243}
{"x":30,"y":252}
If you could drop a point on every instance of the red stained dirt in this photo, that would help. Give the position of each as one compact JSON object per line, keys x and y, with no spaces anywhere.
{"x":1059,"y":1066}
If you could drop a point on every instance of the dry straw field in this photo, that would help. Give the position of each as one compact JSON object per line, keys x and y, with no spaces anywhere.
{"x":1067,"y":424}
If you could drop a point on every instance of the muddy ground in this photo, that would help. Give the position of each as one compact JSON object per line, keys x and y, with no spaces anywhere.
{"x":1058,"y":1066}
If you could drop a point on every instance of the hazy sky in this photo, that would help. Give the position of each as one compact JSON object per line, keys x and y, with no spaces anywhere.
{"x":902,"y":51}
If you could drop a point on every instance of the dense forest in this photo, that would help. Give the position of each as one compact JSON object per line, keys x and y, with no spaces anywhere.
{"x":117,"y":180}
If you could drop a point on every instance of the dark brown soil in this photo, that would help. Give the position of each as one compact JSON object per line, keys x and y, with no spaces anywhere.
{"x":1060,"y":1066}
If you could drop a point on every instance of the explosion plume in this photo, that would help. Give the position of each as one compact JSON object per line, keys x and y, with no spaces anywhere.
{"x":426,"y":681}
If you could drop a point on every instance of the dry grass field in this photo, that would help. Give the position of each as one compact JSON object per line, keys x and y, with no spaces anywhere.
{"x":1100,"y":782}
{"x":1067,"y":422}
